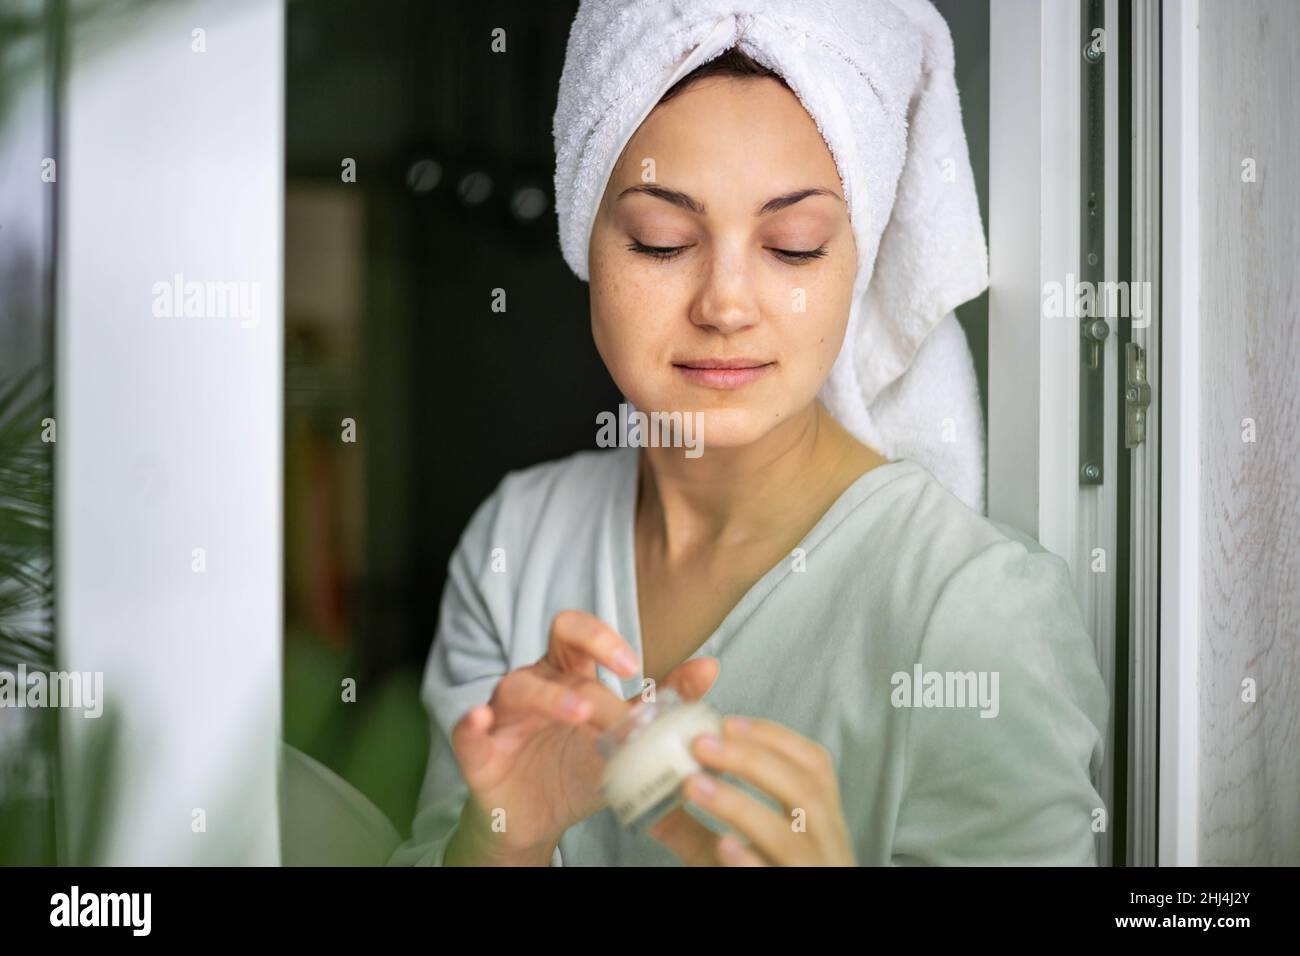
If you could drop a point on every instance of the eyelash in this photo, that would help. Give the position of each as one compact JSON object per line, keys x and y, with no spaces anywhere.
{"x":664,"y":253}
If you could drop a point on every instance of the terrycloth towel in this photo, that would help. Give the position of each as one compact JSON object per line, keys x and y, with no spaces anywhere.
{"x":877,"y":78}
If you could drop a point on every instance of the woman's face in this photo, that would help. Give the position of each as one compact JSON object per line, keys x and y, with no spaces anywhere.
{"x":719,"y":284}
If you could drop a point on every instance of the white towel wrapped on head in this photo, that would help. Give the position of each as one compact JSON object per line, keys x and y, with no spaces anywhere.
{"x":876,"y":76}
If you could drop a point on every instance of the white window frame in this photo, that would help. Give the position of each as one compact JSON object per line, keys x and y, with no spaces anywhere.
{"x":1180,"y":519}
{"x":1034,"y":187}
{"x":1033,"y":374}
{"x":169,"y":432}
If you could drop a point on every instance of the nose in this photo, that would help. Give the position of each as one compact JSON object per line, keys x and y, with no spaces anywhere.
{"x":726,"y":302}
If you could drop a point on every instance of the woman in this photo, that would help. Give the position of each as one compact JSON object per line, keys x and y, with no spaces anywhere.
{"x":792,"y":572}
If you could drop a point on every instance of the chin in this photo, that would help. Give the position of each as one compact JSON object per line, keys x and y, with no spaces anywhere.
{"x":738,"y":427}
{"x":724,"y":419}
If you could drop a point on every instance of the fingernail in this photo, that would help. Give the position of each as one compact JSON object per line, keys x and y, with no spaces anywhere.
{"x":740,"y":725}
{"x":729,"y":847}
{"x":572,"y":704}
{"x":703,"y":784}
{"x":626,"y":660}
{"x":710,"y":743}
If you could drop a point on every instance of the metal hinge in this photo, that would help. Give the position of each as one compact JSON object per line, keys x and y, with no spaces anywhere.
{"x":1137,"y":395}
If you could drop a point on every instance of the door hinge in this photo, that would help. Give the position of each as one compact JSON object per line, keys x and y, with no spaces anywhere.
{"x":1137,"y":395}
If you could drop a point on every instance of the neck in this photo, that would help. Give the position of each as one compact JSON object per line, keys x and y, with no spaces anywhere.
{"x":737,"y":496}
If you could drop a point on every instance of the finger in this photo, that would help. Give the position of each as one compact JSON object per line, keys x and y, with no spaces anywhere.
{"x":687,"y":837}
{"x":694,"y":678}
{"x":607,"y":708}
{"x":765,"y":828}
{"x":809,"y":754}
{"x":733,"y":852}
{"x":524,"y":691}
{"x":604,"y":707}
{"x":578,"y":640}
{"x":770,"y":770}
{"x":470,"y":739}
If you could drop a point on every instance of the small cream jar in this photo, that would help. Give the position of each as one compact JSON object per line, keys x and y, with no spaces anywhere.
{"x":648,"y":756}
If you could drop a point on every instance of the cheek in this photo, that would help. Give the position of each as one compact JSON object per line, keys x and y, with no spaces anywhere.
{"x":620,"y":325}
{"x":816,"y":334}
{"x":831,"y":337}
{"x":632,"y":302}
{"x":609,"y":302}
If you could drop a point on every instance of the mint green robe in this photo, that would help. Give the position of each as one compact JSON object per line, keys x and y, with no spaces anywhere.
{"x":898,"y":580}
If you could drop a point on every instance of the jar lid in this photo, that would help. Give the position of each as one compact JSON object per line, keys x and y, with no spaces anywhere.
{"x":640,"y":716}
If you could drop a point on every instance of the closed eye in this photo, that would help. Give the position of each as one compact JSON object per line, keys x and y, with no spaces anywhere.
{"x":663,"y":253}
{"x":655,"y":252}
{"x":798,"y":256}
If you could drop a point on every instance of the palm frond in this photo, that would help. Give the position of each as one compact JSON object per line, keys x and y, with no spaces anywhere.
{"x":26,"y":521}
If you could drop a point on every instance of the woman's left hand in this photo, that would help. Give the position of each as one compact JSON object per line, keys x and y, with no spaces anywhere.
{"x":795,"y":771}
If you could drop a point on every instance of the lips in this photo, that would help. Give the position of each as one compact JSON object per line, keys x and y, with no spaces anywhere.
{"x":723,"y":373}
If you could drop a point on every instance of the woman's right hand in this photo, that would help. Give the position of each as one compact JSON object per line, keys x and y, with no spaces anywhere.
{"x":529,"y":754}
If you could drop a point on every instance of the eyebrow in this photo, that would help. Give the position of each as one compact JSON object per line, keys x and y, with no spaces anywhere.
{"x":691,"y":204}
